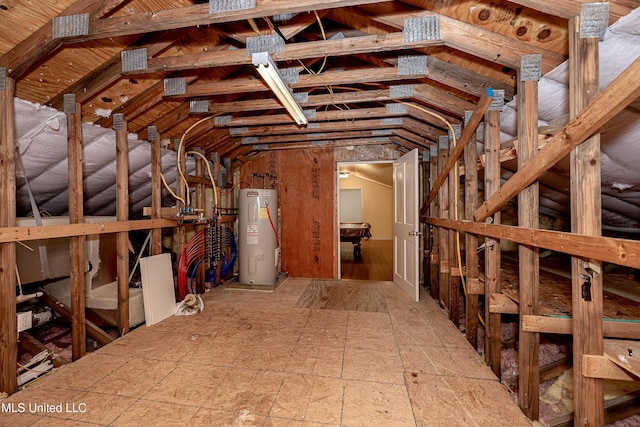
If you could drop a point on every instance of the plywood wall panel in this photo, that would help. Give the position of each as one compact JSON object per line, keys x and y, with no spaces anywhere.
{"x":306,"y":196}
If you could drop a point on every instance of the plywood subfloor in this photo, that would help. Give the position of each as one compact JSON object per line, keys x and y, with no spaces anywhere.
{"x":354,"y":295}
{"x":254,"y":359}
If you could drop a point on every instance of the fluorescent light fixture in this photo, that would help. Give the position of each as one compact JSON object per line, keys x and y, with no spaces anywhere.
{"x":269,"y":73}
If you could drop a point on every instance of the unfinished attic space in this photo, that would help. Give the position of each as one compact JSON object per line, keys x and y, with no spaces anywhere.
{"x":317,"y":212}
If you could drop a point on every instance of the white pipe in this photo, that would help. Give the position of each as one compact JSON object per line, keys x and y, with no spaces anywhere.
{"x":22,"y":298}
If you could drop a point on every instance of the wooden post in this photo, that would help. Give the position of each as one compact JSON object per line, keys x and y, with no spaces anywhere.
{"x":443,"y":233}
{"x":156,"y":188}
{"x":8,"y":323}
{"x":200,"y":203}
{"x":122,"y":214}
{"x":76,"y":216}
{"x":434,"y":209}
{"x":426,"y":238}
{"x":528,"y":216}
{"x":454,"y":279}
{"x":492,"y":247}
{"x":181,"y":191}
{"x":471,"y":240}
{"x":586,"y":214}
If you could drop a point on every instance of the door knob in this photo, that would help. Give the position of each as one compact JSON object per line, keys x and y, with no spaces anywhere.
{"x":415,"y":233}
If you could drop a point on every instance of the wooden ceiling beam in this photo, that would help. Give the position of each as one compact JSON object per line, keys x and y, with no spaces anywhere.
{"x":40,"y":44}
{"x":290,"y":52}
{"x":352,"y":97}
{"x":438,"y":70}
{"x":314,"y":136}
{"x":319,"y":127}
{"x":329,"y":78}
{"x":288,"y":29}
{"x":480,"y":42}
{"x":613,"y":99}
{"x":190,"y":16}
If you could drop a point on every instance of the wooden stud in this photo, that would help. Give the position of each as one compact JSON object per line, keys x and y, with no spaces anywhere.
{"x":586,"y":217}
{"x":471,"y":241}
{"x":610,"y":249}
{"x":434,"y":209}
{"x":502,"y":304}
{"x":122,"y":214}
{"x":454,"y":280}
{"x":443,"y":234}
{"x":492,"y":345}
{"x":156,"y":191}
{"x":77,"y":243}
{"x":8,"y":322}
{"x":564,"y":325}
{"x":200,"y":203}
{"x":602,"y":367}
{"x":529,"y":261}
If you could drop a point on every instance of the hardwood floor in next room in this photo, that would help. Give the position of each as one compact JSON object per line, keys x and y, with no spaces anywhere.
{"x":376,"y":262}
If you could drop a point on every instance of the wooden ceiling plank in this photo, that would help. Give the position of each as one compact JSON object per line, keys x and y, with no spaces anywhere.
{"x":40,"y":44}
{"x":609,"y":102}
{"x":567,"y":9}
{"x":441,"y":100}
{"x":189,"y":16}
{"x":291,"y":52}
{"x":320,"y":127}
{"x":106,"y":74}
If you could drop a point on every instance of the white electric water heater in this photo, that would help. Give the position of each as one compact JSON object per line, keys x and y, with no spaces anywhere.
{"x":258,"y":242}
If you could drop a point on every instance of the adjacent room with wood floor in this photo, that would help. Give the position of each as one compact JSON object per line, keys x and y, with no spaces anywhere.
{"x":319,"y":213}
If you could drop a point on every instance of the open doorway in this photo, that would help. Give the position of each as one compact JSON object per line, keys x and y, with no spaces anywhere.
{"x":365,"y":206}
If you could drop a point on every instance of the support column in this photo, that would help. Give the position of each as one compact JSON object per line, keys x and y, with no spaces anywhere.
{"x":181,"y":191}
{"x":8,"y":322}
{"x":434,"y":209}
{"x":528,"y":217}
{"x":454,"y":265}
{"x":443,"y":233}
{"x":472,"y":273}
{"x":200,"y":203}
{"x":76,"y":216}
{"x":156,"y":188}
{"x":586,"y":217}
{"x":492,"y":348}
{"x":122,"y":213}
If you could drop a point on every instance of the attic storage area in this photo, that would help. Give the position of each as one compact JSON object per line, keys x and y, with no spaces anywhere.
{"x":134,"y":135}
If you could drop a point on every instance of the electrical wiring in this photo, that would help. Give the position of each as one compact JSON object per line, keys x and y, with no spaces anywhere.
{"x":184,"y":136}
{"x":213,"y":183}
{"x":175,"y":196}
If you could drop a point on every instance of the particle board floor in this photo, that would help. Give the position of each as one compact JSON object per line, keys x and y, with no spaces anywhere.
{"x":254,"y":359}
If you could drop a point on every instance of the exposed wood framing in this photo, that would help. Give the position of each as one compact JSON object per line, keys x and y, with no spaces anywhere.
{"x":156,"y":192}
{"x":200,"y":203}
{"x":76,"y":243}
{"x":586,"y":217}
{"x":434,"y":209}
{"x":563,"y":325}
{"x":8,"y":282}
{"x":457,"y":150}
{"x":609,"y":249}
{"x":605,"y":105}
{"x":602,"y":367}
{"x":471,"y":240}
{"x":290,"y":52}
{"x":454,"y":242}
{"x":443,"y":234}
{"x":529,"y":260}
{"x":40,"y":44}
{"x":492,"y":321}
{"x":122,"y":214}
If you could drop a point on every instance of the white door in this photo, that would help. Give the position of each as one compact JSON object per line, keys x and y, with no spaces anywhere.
{"x":405,"y":223}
